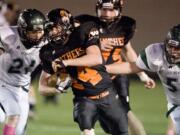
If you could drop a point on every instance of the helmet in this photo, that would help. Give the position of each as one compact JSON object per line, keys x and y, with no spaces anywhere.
{"x":60,"y":25}
{"x":172,"y":45}
{"x":30,"y":20}
{"x":109,"y":4}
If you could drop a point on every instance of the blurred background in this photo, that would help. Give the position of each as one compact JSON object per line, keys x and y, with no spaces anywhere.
{"x":154,"y":18}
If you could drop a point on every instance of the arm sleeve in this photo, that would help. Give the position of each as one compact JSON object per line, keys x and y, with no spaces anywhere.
{"x":89,"y":34}
{"x":150,"y":59}
{"x":46,"y":57}
{"x":7,"y":37}
{"x":142,"y":62}
{"x":129,"y":27}
{"x":130,"y":33}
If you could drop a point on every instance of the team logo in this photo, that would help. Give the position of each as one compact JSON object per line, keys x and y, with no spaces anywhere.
{"x":65,"y":16}
{"x":63,"y":13}
{"x":93,"y":33}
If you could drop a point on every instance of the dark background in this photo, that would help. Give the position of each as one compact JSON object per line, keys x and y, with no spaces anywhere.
{"x":154,"y":17}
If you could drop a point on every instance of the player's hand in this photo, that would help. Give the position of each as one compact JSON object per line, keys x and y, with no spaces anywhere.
{"x":57,"y":65}
{"x":107,"y":46}
{"x":63,"y":85}
{"x":150,"y":84}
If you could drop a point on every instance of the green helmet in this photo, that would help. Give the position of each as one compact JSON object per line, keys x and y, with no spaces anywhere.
{"x":172,"y":45}
{"x":30,"y":20}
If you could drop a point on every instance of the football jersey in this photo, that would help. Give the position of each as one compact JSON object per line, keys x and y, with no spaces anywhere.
{"x":118,"y":32}
{"x":3,"y":21}
{"x":153,"y":59}
{"x":86,"y":81}
{"x":17,"y":63}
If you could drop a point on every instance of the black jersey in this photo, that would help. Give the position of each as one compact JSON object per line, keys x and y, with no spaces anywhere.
{"x":87,"y":81}
{"x":119,"y":32}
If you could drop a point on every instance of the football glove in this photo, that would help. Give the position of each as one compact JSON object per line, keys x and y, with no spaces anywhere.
{"x":63,"y":84}
{"x":58,"y":65}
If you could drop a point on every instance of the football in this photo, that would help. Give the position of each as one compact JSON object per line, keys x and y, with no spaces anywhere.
{"x":52,"y":80}
{"x":56,"y":78}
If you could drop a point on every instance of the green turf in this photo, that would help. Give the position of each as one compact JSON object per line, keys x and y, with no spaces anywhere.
{"x":148,"y":105}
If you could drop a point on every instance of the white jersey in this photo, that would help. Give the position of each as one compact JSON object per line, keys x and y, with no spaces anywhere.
{"x":3,"y":21}
{"x":17,"y":63}
{"x":153,"y":59}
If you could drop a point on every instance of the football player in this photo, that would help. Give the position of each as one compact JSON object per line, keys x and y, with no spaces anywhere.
{"x":22,"y":45}
{"x":164,"y":59}
{"x":116,"y":32}
{"x":76,"y":51}
{"x":3,"y":22}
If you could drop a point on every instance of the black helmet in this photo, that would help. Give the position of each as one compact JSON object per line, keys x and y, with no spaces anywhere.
{"x":113,"y":4}
{"x":61,"y":19}
{"x":172,"y":45}
{"x":30,"y":20}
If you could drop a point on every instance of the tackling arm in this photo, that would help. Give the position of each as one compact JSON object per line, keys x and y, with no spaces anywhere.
{"x":93,"y":57}
{"x":131,"y":56}
{"x":123,"y":68}
{"x":127,"y":68}
{"x":44,"y":89}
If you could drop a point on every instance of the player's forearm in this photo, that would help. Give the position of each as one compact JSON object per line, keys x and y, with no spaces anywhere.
{"x":132,"y":58}
{"x":142,"y":76}
{"x":86,"y":60}
{"x":44,"y":89}
{"x":7,"y":43}
{"x":122,"y":68}
{"x":131,"y":55}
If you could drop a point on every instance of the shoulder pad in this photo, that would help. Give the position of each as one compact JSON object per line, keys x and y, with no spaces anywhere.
{"x":85,"y":29}
{"x":155,"y":51}
{"x":46,"y":56}
{"x":46,"y":52}
{"x":83,"y":18}
{"x":127,"y":21}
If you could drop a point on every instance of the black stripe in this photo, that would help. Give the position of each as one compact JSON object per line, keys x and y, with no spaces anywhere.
{"x":26,"y":90}
{"x":171,"y":110}
{"x":1,"y":106}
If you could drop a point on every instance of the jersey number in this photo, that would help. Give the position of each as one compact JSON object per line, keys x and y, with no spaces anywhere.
{"x":90,"y":75}
{"x":18,"y":65}
{"x":170,"y":81}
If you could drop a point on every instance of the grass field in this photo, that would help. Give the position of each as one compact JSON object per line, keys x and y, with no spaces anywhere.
{"x":148,"y":105}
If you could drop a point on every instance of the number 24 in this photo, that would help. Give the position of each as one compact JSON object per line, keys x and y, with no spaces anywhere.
{"x":18,"y":64}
